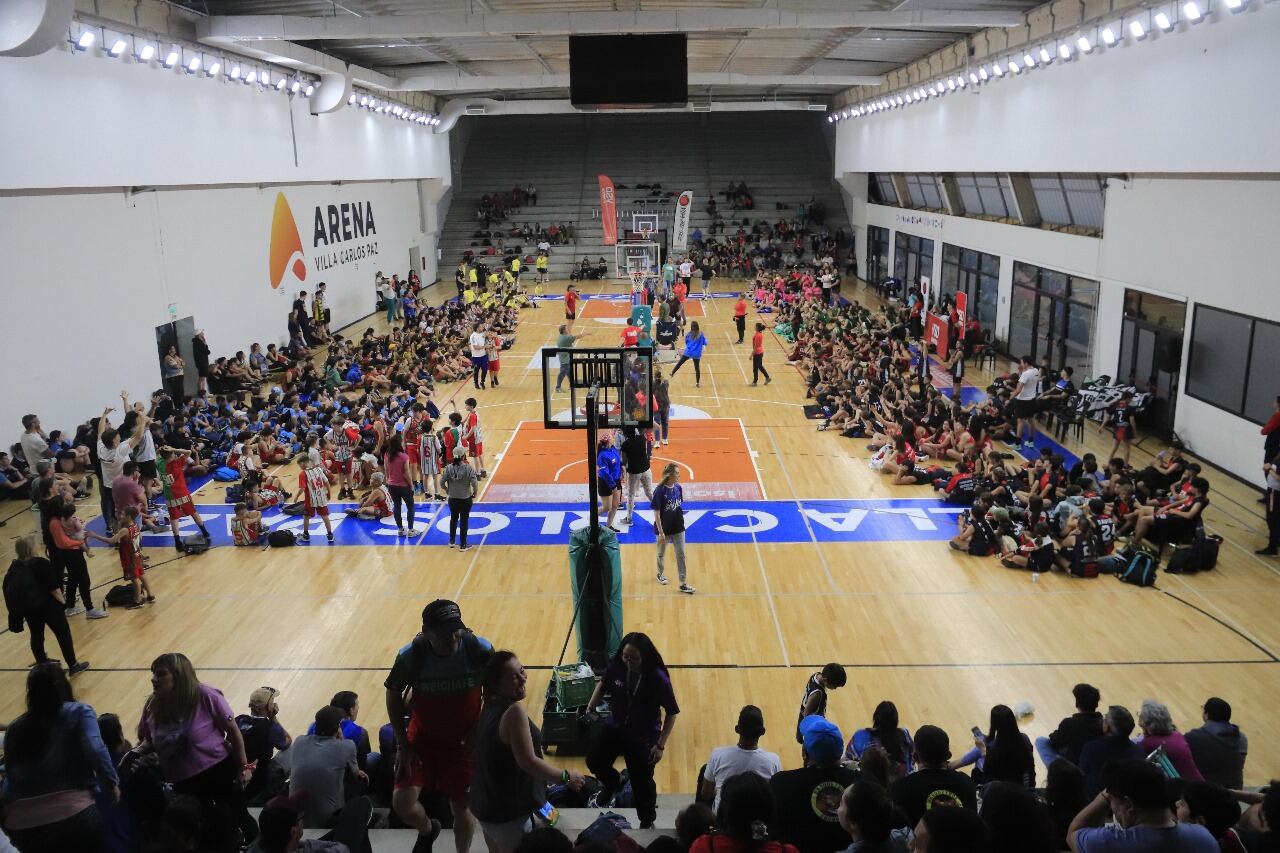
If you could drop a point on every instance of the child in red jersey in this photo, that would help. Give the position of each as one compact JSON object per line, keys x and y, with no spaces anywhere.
{"x":313,"y":483}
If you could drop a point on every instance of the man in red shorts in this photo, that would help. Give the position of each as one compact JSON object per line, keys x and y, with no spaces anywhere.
{"x":436,"y":680}
{"x":177,"y":495}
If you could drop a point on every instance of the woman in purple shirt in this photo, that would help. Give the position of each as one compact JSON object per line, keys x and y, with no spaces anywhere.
{"x":1158,"y":731}
{"x":640,"y":712}
{"x":192,"y":731}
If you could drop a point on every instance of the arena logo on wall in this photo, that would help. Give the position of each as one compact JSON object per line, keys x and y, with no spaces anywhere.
{"x":340,"y":235}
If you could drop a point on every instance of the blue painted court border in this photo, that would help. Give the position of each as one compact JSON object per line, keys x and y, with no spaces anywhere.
{"x":727,"y":522}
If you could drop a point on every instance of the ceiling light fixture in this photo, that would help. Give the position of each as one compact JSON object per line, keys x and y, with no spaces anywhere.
{"x":1163,"y":22}
{"x":172,"y":59}
{"x":1014,"y":66}
{"x":1108,"y":36}
{"x":311,"y":87}
{"x":1084,"y":44}
{"x":118,"y":47}
{"x":1138,"y":31}
{"x":982,"y":74}
{"x":85,"y":41}
{"x":1045,"y":56}
{"x":213,"y":68}
{"x":1235,"y":5}
{"x":281,"y":83}
{"x":234,"y":73}
{"x":996,"y":69}
{"x":253,"y":77}
{"x":1064,"y":50}
{"x":194,"y":65}
{"x":297,"y":84}
{"x":147,"y":53}
{"x":1192,"y":12}
{"x":1028,"y":60}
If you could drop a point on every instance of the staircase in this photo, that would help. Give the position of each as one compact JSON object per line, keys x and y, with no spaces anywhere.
{"x":781,"y":156}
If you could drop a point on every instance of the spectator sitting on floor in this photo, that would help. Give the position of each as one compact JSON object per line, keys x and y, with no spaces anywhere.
{"x":1218,"y":747}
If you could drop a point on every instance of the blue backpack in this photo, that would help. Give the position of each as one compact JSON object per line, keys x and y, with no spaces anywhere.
{"x":1141,"y":568}
{"x":226,"y":475}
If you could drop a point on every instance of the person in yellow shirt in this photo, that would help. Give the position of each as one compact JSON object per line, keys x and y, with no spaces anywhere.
{"x":469,"y":295}
{"x":542,"y":269}
{"x":516,"y":266}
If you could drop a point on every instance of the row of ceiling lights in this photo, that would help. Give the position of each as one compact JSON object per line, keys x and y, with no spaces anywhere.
{"x":231,"y":69}
{"x":1132,"y":27}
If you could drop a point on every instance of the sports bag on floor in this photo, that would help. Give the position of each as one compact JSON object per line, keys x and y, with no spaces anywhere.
{"x":281,"y":538}
{"x":1141,"y":568}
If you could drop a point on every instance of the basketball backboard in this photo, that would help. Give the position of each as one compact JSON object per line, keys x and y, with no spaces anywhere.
{"x":624,"y":377}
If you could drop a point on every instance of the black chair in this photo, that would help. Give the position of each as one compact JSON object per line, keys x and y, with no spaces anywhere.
{"x":1069,"y":418}
{"x":985,"y":352}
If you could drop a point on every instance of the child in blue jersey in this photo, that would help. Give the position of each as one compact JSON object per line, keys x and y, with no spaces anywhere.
{"x":694,"y":342}
{"x":609,"y":478}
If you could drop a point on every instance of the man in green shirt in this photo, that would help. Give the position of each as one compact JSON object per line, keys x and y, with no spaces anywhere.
{"x":565,"y":341}
{"x":668,"y":278}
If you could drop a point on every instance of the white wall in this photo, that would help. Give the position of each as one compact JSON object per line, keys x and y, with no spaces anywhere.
{"x":88,"y":276}
{"x":87,"y":120}
{"x":1196,"y":100}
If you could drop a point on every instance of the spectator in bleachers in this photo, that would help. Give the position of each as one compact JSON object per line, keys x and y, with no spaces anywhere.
{"x":693,"y":822}
{"x":947,"y":829}
{"x":1134,"y":793}
{"x":511,"y":774}
{"x":934,"y":784}
{"x":1003,"y":754}
{"x":1159,"y":731}
{"x":809,"y":797}
{"x":320,"y":764}
{"x":54,"y":755}
{"x":1064,"y":795}
{"x":1019,"y":823}
{"x":745,"y":756}
{"x":868,"y":815}
{"x":191,"y":729}
{"x":1071,"y":735}
{"x":641,"y":714}
{"x":886,"y":734}
{"x":263,"y":735}
{"x":745,"y":820}
{"x":283,"y":819}
{"x":1218,"y":747}
{"x":1213,"y":807}
{"x":1114,"y":745}
{"x":435,"y":685}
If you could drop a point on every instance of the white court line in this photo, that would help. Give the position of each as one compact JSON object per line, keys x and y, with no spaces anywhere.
{"x":770,"y":402}
{"x":474,"y":557}
{"x":498,"y":461}
{"x":826,"y":567}
{"x":773,"y":610}
{"x":742,"y":370}
{"x":439,"y":505}
{"x":764,"y":494}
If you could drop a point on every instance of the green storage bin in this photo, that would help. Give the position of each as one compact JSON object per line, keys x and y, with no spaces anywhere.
{"x":572,"y":690}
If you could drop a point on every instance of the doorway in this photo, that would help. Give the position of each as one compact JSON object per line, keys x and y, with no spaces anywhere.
{"x":912,"y":258}
{"x":1151,"y":354}
{"x":877,"y":254}
{"x":179,"y":334}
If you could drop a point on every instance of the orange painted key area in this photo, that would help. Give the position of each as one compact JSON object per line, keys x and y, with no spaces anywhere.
{"x":620,"y":309}
{"x":550,"y":465}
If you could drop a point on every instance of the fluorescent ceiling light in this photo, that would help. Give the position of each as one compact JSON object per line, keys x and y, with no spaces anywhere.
{"x":1045,"y":56}
{"x":973,"y":78}
{"x":1235,"y":4}
{"x":1191,"y":11}
{"x":1064,"y":50}
{"x":253,"y":76}
{"x":996,"y":69}
{"x":281,"y":83}
{"x":148,"y":51}
{"x":1137,"y":30}
{"x":364,"y":100}
{"x":1108,"y":36}
{"x":194,"y":65}
{"x":295,"y":87}
{"x":86,"y":40}
{"x":310,"y":88}
{"x":118,"y":47}
{"x":1014,"y":66}
{"x":1163,"y":22}
{"x":1028,"y":60}
{"x":1084,"y":44}
{"x":982,"y":73}
{"x":951,"y":85}
{"x":172,"y":59}
{"x":235,"y":72}
{"x":960,"y":81}
{"x":214,"y":68}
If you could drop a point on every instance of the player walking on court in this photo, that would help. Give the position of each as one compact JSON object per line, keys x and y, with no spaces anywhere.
{"x":668,"y":523}
{"x":757,"y":357}
{"x":740,"y":316}
{"x":177,"y":495}
{"x":313,"y":482}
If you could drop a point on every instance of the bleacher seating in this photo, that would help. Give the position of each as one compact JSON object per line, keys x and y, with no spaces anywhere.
{"x":782,"y":158}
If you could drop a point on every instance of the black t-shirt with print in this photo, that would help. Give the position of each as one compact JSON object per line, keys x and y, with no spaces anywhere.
{"x":918,"y":792}
{"x":807,"y":800}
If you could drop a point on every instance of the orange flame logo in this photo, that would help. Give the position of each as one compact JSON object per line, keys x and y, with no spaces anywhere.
{"x":286,"y":245}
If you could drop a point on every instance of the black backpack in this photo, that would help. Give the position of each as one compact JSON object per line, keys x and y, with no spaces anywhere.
{"x":22,"y":596}
{"x":281,"y":538}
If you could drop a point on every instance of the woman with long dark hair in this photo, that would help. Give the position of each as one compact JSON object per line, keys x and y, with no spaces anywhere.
{"x":747,"y":808}
{"x":1003,"y":754}
{"x":885,"y":733}
{"x":694,"y":342}
{"x":54,"y":755}
{"x":1065,"y":795}
{"x":511,"y":775}
{"x":1019,"y":823}
{"x":640,"y":713}
{"x":868,"y":815}
{"x":395,"y":462}
{"x":190,"y":727}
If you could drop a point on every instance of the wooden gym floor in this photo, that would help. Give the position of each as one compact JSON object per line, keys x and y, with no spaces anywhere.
{"x":945,"y":636}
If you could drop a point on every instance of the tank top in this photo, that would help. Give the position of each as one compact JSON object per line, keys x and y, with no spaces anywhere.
{"x":501,"y":791}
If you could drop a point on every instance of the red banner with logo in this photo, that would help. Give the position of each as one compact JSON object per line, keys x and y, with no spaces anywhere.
{"x":608,"y":211}
{"x":962,"y":310}
{"x":935,"y":334}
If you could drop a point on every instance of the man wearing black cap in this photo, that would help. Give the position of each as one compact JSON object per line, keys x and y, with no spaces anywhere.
{"x":436,"y":680}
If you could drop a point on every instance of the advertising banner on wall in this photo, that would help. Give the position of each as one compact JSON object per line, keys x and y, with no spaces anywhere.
{"x":962,"y":310}
{"x":608,"y":210}
{"x":684,"y":204}
{"x":935,"y":334}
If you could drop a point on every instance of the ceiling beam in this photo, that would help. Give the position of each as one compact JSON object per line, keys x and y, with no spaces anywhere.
{"x":441,"y":82}
{"x":459,"y":25}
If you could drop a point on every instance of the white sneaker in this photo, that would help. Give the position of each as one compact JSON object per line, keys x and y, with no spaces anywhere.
{"x":95,"y":613}
{"x":74,"y":611}
{"x":666,"y":441}
{"x":686,"y":589}
{"x":662,"y":579}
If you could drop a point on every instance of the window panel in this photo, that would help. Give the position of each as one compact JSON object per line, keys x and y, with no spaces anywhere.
{"x":1219,"y":348}
{"x":1263,"y":386}
{"x":992,"y":200}
{"x":929,"y":186}
{"x":1006,"y":193}
{"x":1086,"y":208}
